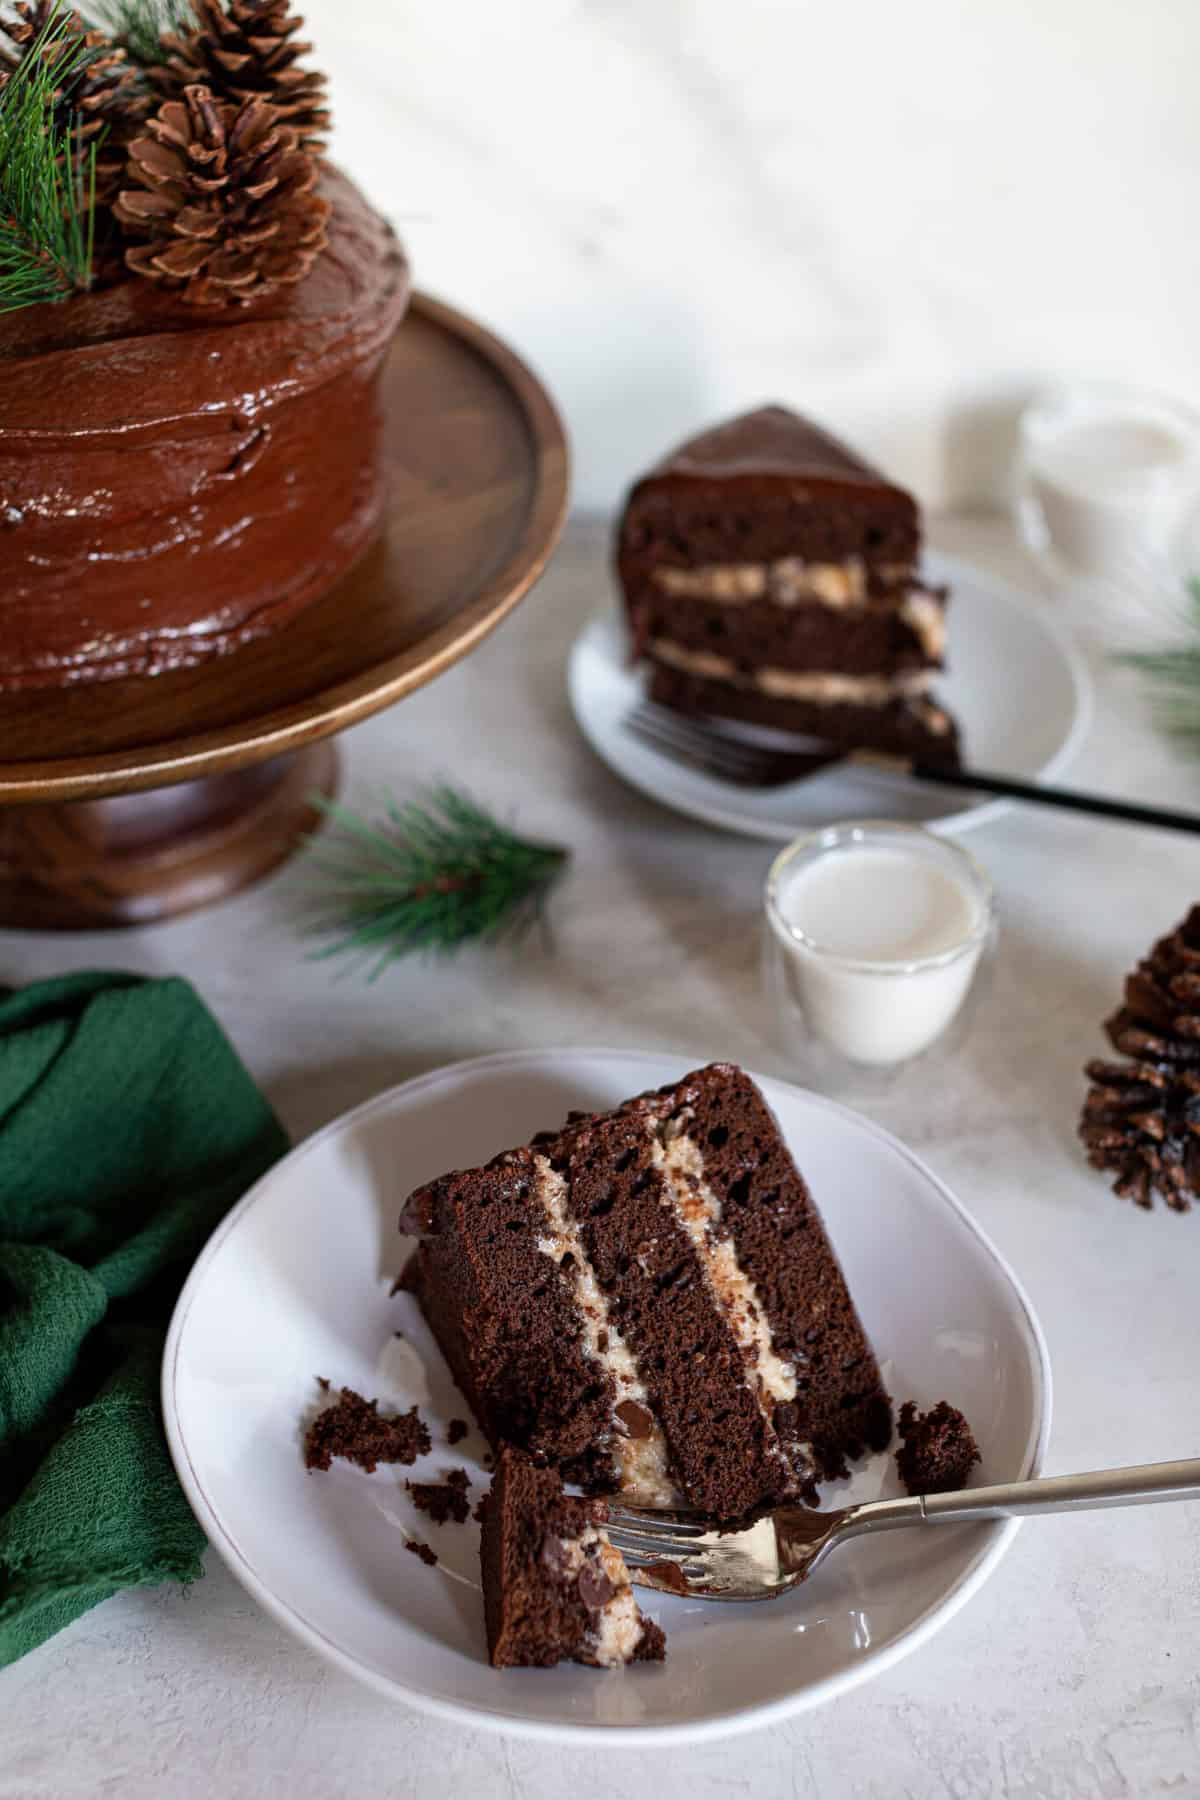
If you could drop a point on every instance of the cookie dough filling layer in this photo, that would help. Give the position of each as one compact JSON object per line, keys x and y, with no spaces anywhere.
{"x":790,"y":684}
{"x":638,"y":1446}
{"x":770,"y":1377}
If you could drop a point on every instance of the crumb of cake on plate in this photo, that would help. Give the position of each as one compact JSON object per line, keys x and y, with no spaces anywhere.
{"x":937,"y":1449}
{"x":353,"y":1429}
{"x":443,"y":1500}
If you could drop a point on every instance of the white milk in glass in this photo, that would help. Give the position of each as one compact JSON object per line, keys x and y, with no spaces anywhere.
{"x":1110,"y":476}
{"x":882,"y":945}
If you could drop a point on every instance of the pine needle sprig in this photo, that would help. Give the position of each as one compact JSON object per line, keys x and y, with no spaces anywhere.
{"x":432,"y":875}
{"x":139,"y":26}
{"x":47,"y":179}
{"x":1172,"y":671}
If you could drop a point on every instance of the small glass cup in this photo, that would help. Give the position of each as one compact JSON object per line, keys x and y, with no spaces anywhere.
{"x":847,"y":1018}
{"x":1107,"y":477}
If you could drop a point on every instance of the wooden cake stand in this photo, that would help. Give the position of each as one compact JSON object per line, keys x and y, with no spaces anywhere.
{"x":127,"y":801}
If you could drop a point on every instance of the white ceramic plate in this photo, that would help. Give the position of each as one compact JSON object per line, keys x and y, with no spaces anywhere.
{"x":1014,"y":680}
{"x":295,"y":1284}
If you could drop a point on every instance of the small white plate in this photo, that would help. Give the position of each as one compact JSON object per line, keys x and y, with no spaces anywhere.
{"x":295,"y":1284}
{"x":1015,"y":681}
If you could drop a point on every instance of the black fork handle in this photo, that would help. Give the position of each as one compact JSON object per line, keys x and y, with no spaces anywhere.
{"x":1065,"y":799}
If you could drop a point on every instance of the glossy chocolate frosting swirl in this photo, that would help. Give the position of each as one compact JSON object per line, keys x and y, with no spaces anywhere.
{"x":176,"y":481}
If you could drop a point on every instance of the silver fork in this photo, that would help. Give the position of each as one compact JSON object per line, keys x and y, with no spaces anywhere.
{"x":679,"y":1553}
{"x":742,"y":762}
{"x":699,"y":744}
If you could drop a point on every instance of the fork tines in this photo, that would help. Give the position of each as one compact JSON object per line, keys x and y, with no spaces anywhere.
{"x":663,"y":1533}
{"x":699,"y":744}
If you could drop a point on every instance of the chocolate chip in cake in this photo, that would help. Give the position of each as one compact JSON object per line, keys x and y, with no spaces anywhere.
{"x":635,"y":1420}
{"x":595,"y":1589}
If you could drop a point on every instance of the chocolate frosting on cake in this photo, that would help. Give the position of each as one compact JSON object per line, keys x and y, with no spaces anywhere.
{"x":175,"y":481}
{"x":773,"y":442}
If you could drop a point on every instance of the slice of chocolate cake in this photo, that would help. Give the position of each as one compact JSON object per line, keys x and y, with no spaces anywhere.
{"x":554,"y":1588}
{"x":647,"y":1300}
{"x":772,"y":576}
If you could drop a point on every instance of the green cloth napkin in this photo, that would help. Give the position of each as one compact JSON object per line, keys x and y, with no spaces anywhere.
{"x":127,"y":1128}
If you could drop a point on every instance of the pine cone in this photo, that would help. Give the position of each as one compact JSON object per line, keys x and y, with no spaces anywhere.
{"x":226,"y":206}
{"x":1141,"y":1118}
{"x":100,"y":90}
{"x":243,"y":50}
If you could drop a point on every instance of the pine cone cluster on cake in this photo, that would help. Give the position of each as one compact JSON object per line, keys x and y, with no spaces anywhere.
{"x":225,"y":201}
{"x":198,"y":388}
{"x":1141,"y":1118}
{"x":99,"y":93}
{"x":206,"y":161}
{"x":246,"y":51}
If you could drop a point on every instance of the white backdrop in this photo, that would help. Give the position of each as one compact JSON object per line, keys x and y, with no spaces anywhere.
{"x":900,"y":216}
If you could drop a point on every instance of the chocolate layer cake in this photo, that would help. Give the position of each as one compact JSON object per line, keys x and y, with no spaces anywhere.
{"x":554,"y":1588}
{"x":647,"y":1299}
{"x":175,"y":481}
{"x":771,"y":576}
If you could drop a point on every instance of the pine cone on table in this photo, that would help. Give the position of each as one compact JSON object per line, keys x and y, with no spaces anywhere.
{"x":226,"y":208}
{"x":1141,"y":1119}
{"x":244,"y":50}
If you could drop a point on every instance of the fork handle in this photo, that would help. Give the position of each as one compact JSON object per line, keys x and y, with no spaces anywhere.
{"x":1068,"y":1493}
{"x":1135,"y":1486}
{"x":1100,"y":806}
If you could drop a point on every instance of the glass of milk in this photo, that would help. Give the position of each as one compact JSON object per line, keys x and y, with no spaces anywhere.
{"x":1108,"y":477}
{"x":875,"y":936}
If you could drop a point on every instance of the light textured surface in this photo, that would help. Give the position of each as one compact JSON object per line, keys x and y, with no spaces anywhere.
{"x":1074,"y":1673}
{"x":898,"y":217}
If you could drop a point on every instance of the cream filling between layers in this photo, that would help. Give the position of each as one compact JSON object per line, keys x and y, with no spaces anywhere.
{"x":644,"y":1462}
{"x":926,"y":619}
{"x":699,"y":1212}
{"x":791,"y":581}
{"x":617,"y":1631}
{"x":790,"y":684}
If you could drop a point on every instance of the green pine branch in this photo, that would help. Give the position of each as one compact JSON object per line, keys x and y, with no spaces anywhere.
{"x":47,"y":180}
{"x":431,"y":875}
{"x":1172,"y":673}
{"x":139,"y":26}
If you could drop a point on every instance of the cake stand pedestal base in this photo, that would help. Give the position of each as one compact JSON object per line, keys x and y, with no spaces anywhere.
{"x":88,"y":865}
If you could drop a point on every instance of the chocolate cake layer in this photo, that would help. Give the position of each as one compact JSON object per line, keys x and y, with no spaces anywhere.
{"x":554,"y":1588}
{"x":175,"y":481}
{"x":714,"y":1347}
{"x":703,"y":1388}
{"x":840,"y":1407}
{"x":505,"y":1317}
{"x":764,"y":486}
{"x":902,"y":727}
